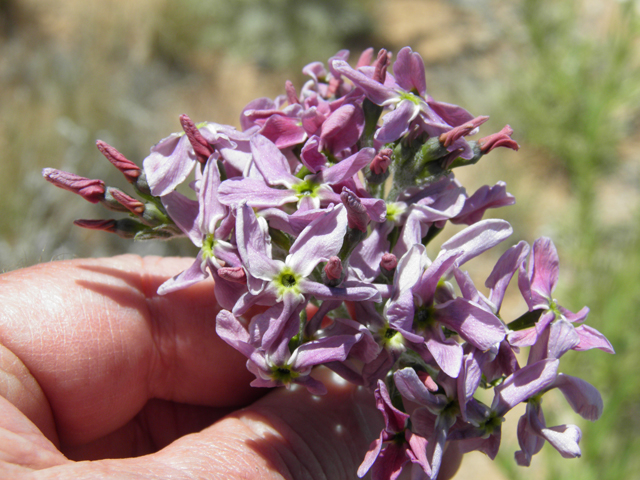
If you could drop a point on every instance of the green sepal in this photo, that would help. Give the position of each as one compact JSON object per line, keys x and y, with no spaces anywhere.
{"x":526,"y":320}
{"x":372,"y":114}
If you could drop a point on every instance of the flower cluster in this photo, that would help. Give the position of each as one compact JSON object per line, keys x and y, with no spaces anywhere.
{"x":316,"y":221}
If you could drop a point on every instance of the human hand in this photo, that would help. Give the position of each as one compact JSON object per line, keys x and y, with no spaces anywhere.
{"x":94,"y":365}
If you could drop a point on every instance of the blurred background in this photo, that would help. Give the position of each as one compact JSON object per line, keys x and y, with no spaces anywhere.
{"x":565,"y":74}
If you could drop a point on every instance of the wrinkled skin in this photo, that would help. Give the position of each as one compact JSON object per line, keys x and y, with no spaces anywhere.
{"x":94,"y":365}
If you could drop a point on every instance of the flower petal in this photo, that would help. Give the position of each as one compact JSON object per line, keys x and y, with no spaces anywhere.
{"x":592,"y":338}
{"x":396,"y":123}
{"x":169,"y":164}
{"x":318,"y":242}
{"x":583,"y":397}
{"x":273,"y":165}
{"x":192,"y":275}
{"x":480,"y":328}
{"x":525,"y":383}
{"x":413,"y":389}
{"x":184,"y":212}
{"x":254,"y":192}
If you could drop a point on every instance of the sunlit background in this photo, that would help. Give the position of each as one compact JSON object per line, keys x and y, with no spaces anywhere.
{"x":564,"y":74}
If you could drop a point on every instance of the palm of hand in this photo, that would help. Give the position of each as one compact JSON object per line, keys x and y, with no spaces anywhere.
{"x":94,"y":365}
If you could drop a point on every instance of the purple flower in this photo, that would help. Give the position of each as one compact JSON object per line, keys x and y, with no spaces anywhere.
{"x":272,"y":281}
{"x":531,"y":382}
{"x":396,"y":446}
{"x":435,"y":416}
{"x":275,"y":365}
{"x":310,"y":193}
{"x":172,"y":159}
{"x":536,"y":285}
{"x":533,"y":432}
{"x":207,"y":223}
{"x":407,"y":95}
{"x":414,"y":312}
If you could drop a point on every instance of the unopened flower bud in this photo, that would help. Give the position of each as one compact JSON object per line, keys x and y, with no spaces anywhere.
{"x":333,"y":268}
{"x":500,"y":139}
{"x":200,"y":145}
{"x":357,"y":215}
{"x":428,"y":382}
{"x":233,"y":274}
{"x":130,"y":170}
{"x":381,"y":161}
{"x":381,"y":64}
{"x":104,"y":225}
{"x":468,"y":128}
{"x":91,"y":190}
{"x":292,"y":95}
{"x":125,"y":228}
{"x":131,"y":204}
{"x":388,"y":263}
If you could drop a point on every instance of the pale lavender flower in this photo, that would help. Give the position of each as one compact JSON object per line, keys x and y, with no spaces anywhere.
{"x":436,"y":415}
{"x":207,"y":224}
{"x":407,"y":95}
{"x":274,"y":365}
{"x":310,"y":193}
{"x":536,"y":285}
{"x":172,"y":159}
{"x":414,"y":312}
{"x":272,"y":281}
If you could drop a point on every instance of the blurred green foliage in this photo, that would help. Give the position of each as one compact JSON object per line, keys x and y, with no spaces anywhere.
{"x":576,"y":90}
{"x":272,"y":33}
{"x":575,"y":96}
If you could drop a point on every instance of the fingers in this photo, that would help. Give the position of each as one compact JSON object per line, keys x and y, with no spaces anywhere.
{"x":99,"y":343}
{"x":287,"y":434}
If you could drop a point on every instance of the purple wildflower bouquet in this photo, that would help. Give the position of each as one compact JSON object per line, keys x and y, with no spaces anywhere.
{"x":316,"y":221}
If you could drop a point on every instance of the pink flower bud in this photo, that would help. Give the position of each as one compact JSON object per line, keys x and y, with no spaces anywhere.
{"x":357,"y":215}
{"x":130,"y":203}
{"x":200,"y":145}
{"x":334,"y":85}
{"x":381,"y":64}
{"x":292,"y":95}
{"x":125,"y":227}
{"x":130,"y":170}
{"x":447,"y":138}
{"x":233,"y":274}
{"x":333,"y":268}
{"x":388,"y":262}
{"x":104,"y":225}
{"x":500,"y":139}
{"x":381,"y":161}
{"x":428,"y":381}
{"x":91,"y":190}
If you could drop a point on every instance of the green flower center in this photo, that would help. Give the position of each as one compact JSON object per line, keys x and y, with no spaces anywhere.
{"x":399,"y":438}
{"x":424,"y":317}
{"x":492,"y":424}
{"x":287,"y":280}
{"x":553,"y":306}
{"x":283,"y":374}
{"x":411,"y":97}
{"x":392,"y":339}
{"x":394,"y":211}
{"x":207,"y":246}
{"x":306,"y":188}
